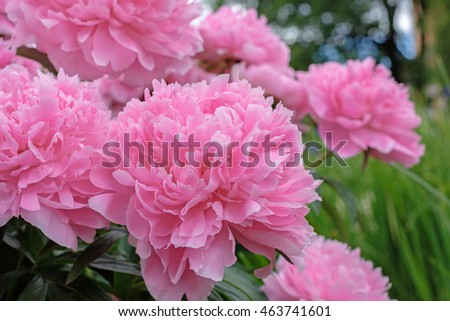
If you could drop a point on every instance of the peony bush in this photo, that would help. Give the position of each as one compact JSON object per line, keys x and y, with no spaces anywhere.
{"x":171,"y":152}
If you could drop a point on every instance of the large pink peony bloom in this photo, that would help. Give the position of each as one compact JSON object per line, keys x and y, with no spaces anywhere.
{"x":360,"y":103}
{"x":51,"y":130}
{"x":140,"y":40}
{"x":184,"y":218}
{"x":333,"y":272}
{"x":231,"y":36}
{"x":283,"y":84}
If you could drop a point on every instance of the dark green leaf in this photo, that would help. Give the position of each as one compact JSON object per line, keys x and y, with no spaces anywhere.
{"x":8,"y":279}
{"x":250,"y":260}
{"x":46,"y":250}
{"x":93,"y":252}
{"x":13,"y":242}
{"x":2,"y":232}
{"x":116,"y":264}
{"x":345,"y":194}
{"x":130,"y":288}
{"x":215,"y":296}
{"x":237,"y":285}
{"x":36,"y":290}
{"x":34,"y":241}
{"x":246,"y":280}
{"x":57,"y":292}
{"x":64,"y":258}
{"x":87,"y":289}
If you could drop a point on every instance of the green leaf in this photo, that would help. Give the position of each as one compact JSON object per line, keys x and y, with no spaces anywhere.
{"x":36,"y":290}
{"x":116,"y":263}
{"x":33,"y":241}
{"x":215,"y":296}
{"x":13,"y":242}
{"x":229,"y":292}
{"x":61,"y":259}
{"x":237,"y":285}
{"x":344,"y":193}
{"x":87,"y":289}
{"x":2,"y":232}
{"x":47,"y":249}
{"x":423,"y":183}
{"x":250,"y":260}
{"x":8,"y":279}
{"x":57,"y":292}
{"x":93,"y":252}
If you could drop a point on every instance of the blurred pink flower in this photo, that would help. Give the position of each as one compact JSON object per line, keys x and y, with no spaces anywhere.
{"x":284,"y":84}
{"x":7,"y":57}
{"x":185,"y":220}
{"x":141,"y":40}
{"x":51,"y":130}
{"x":116,"y":94}
{"x":237,"y":36}
{"x":362,"y":104}
{"x":193,"y":75}
{"x":6,"y":26}
{"x":333,"y":272}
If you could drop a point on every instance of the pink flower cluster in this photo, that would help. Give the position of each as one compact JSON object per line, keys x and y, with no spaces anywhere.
{"x":51,"y":133}
{"x":185,"y":221}
{"x":362,"y":104}
{"x":241,"y":36}
{"x":138,"y":40}
{"x":241,"y":42}
{"x":332,"y":272}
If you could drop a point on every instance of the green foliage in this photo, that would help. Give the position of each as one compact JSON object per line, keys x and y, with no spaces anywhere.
{"x":402,"y":220}
{"x":317,"y":31}
{"x":35,"y":268}
{"x":238,"y":285}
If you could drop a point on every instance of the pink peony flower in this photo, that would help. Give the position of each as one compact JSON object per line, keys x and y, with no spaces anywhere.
{"x":231,"y":36}
{"x":51,"y":130}
{"x":6,"y":26}
{"x":283,"y":84}
{"x":333,"y":272}
{"x":193,"y":75}
{"x":186,"y":213}
{"x":8,"y":57}
{"x":140,"y":40}
{"x":116,"y":94}
{"x":362,"y":104}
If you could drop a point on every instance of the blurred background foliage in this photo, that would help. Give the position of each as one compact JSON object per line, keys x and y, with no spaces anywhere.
{"x":405,"y":35}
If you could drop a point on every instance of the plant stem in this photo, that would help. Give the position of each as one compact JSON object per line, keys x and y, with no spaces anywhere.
{"x":38,"y":56}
